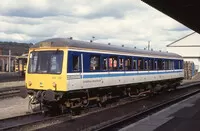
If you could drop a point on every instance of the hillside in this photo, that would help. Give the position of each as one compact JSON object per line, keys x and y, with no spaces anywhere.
{"x":16,"y":48}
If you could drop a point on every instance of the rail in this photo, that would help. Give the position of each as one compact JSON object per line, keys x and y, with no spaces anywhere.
{"x":9,"y":93}
{"x":130,"y":118}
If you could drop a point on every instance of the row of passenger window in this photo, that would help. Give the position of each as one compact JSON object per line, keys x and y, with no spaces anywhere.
{"x":117,"y":63}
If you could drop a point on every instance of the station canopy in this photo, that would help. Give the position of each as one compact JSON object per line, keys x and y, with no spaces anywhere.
{"x":184,"y":11}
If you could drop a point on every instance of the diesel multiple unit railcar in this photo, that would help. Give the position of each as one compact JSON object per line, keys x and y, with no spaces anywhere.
{"x":73,"y":73}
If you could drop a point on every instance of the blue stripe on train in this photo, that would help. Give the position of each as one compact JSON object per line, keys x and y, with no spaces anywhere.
{"x":124,"y":74}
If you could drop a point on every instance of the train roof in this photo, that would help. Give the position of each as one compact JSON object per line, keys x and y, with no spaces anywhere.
{"x":66,"y":42}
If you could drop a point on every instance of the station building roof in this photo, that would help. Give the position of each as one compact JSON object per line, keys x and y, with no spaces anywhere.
{"x":184,"y":11}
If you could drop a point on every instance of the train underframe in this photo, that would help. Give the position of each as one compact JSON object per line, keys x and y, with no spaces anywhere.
{"x":76,"y":100}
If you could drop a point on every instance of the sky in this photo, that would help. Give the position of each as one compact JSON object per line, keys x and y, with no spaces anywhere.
{"x":131,"y":23}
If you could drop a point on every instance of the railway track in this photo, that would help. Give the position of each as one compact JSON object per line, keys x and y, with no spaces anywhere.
{"x":110,"y":117}
{"x":9,"y":93}
{"x":17,"y":121}
{"x":14,"y":91}
{"x":11,"y":78}
{"x":42,"y":122}
{"x":23,"y":122}
{"x":118,"y":123}
{"x":33,"y":120}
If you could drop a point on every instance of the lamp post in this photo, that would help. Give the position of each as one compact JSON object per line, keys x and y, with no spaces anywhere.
{"x":148,"y":45}
{"x":9,"y":61}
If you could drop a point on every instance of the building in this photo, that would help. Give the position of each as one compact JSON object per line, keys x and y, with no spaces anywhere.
{"x":16,"y":49}
{"x":5,"y":61}
{"x":188,"y":47}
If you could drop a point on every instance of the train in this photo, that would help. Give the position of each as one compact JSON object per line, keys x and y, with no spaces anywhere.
{"x":21,"y":64}
{"x":71,"y":74}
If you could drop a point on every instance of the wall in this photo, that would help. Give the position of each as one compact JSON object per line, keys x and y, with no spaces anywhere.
{"x":185,"y":51}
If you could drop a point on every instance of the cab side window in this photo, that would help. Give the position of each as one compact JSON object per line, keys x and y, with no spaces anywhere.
{"x":76,"y":63}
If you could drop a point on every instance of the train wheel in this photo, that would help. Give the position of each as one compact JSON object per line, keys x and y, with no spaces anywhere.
{"x":31,"y":104}
{"x":175,"y":86}
{"x":62,"y":109}
{"x":102,"y":101}
{"x":133,"y":92}
{"x":85,"y":102}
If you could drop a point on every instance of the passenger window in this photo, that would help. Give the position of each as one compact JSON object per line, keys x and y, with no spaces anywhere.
{"x":146,"y":64}
{"x":94,"y":63}
{"x":173,"y":65}
{"x":182,"y":64}
{"x":113,"y":63}
{"x":163,"y":65}
{"x":155,"y":65}
{"x":151,"y":64}
{"x":170,"y":65}
{"x":140,"y":64}
{"x":121,"y":63}
{"x":160,"y":64}
{"x":135,"y":64}
{"x":76,"y":63}
{"x":166,"y":64}
{"x":105,"y":63}
{"x":128,"y":64}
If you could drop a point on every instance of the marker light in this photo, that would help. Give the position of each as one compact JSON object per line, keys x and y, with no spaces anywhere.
{"x":29,"y":83}
{"x":54,"y":84}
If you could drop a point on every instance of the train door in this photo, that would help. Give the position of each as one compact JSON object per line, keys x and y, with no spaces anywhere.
{"x":75,"y":70}
{"x":81,"y":56}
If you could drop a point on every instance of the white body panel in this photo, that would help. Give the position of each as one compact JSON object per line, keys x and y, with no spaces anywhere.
{"x":103,"y":79}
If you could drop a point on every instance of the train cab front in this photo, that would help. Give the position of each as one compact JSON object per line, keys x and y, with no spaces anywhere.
{"x":46,"y":75}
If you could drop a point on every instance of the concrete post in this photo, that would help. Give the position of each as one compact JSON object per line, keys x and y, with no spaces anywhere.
{"x":3,"y":64}
{"x":9,"y":61}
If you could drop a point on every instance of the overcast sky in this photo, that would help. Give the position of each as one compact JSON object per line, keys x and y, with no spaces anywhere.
{"x":128,"y":22}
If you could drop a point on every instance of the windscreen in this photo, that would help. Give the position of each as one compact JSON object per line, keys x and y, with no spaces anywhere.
{"x":45,"y":62}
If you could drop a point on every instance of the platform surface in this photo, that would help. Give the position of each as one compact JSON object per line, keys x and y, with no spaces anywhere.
{"x":11,"y":84}
{"x":183,"y":116}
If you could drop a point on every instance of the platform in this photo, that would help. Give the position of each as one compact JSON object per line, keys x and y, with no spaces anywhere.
{"x":10,"y":79}
{"x":183,"y":116}
{"x":10,"y":76}
{"x":11,"y":84}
